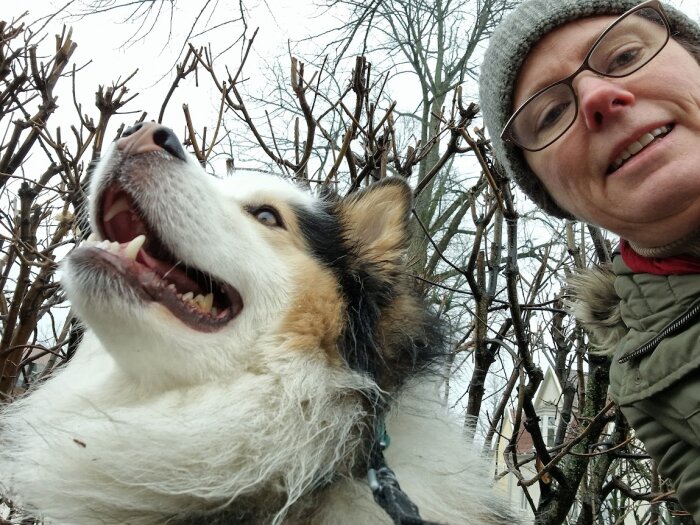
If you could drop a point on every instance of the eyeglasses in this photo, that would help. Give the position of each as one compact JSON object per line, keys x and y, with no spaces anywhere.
{"x":627,"y":45}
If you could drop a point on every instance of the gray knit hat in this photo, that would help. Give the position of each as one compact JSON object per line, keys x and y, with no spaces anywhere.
{"x":508,"y":47}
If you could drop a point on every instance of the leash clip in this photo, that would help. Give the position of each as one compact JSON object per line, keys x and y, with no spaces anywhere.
{"x":385,"y":486}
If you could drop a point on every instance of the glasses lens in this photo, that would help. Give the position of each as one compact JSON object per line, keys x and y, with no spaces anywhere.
{"x":544,"y":118}
{"x":630,"y":44}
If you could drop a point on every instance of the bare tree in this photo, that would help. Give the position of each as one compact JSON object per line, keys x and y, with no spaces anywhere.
{"x":39,"y":203}
{"x":435,"y":42}
{"x":494,"y":272}
{"x":145,"y":15}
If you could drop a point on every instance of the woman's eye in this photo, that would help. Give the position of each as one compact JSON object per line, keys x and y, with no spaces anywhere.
{"x":268,"y":217}
{"x":623,"y":60}
{"x":551,"y":117}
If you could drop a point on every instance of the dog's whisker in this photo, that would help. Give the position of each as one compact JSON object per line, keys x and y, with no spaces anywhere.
{"x":165,"y":275}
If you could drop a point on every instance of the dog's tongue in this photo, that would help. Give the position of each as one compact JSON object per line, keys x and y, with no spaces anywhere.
{"x":171,"y":273}
{"x":124,"y":223}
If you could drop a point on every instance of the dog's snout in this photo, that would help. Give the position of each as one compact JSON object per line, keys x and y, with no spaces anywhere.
{"x":133,"y":129}
{"x":149,"y":136}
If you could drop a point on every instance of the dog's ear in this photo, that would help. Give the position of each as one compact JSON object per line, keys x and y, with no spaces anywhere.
{"x":376,"y":219}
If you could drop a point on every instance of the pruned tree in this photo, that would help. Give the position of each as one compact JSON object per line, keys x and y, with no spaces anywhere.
{"x":493,"y":269}
{"x":435,"y":42}
{"x":38,"y":222}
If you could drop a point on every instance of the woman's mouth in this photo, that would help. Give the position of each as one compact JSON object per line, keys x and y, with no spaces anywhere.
{"x":639,"y":145}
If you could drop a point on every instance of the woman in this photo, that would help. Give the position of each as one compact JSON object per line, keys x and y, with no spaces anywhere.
{"x":594,"y":110}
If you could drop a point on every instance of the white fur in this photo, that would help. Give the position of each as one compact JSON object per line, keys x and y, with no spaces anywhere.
{"x":152,"y":420}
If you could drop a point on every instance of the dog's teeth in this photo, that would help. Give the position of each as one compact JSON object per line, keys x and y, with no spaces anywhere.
{"x":198,"y":300}
{"x":104,"y":245}
{"x":92,"y":238}
{"x":204,"y":302}
{"x":114,"y":247}
{"x":172,"y":287}
{"x":117,"y":207}
{"x":188,"y":296}
{"x":214,"y":311}
{"x":208,"y":302}
{"x":134,"y":246}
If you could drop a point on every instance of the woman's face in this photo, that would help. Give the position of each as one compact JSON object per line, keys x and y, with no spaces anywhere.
{"x":654,"y":197}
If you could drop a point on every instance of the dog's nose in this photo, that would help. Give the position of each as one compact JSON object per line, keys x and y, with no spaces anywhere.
{"x":149,"y":136}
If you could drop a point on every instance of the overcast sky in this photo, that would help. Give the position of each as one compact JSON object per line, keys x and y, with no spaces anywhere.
{"x":101,"y":41}
{"x":101,"y":38}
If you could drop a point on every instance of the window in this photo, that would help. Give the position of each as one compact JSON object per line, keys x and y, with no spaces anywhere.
{"x":549,"y":429}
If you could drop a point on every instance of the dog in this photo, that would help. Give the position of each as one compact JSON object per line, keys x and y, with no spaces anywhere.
{"x":247,"y":344}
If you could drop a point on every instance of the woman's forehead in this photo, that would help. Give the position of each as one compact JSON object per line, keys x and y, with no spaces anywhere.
{"x":557,"y":55}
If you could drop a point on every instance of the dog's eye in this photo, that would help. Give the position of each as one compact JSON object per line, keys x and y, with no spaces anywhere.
{"x":268,"y":216}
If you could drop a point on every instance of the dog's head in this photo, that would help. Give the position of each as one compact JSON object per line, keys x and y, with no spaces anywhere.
{"x":196,"y":276}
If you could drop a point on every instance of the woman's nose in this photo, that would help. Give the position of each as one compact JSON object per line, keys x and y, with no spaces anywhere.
{"x":601,"y":99}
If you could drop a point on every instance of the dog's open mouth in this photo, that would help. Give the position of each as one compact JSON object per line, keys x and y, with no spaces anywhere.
{"x":131,"y":246}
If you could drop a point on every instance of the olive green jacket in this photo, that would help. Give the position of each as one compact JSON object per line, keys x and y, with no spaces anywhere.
{"x":649,"y":324}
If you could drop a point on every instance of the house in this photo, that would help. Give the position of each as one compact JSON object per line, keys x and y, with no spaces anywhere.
{"x":548,"y":404}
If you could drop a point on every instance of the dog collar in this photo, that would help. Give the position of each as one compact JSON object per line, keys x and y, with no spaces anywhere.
{"x":385,"y":486}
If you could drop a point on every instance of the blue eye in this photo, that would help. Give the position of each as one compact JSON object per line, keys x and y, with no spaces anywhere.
{"x":268,"y":216}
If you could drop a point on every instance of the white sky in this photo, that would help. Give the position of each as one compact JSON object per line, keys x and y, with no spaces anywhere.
{"x":100,"y":40}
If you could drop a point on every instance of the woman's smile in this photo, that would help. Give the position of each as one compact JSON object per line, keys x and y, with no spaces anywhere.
{"x":629,"y":162}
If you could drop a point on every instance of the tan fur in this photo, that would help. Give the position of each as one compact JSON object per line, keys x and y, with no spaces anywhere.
{"x":315,"y":319}
{"x":392,"y":325}
{"x":377,"y":222}
{"x":593,"y":301}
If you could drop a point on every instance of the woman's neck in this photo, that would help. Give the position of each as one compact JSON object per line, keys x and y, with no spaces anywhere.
{"x":688,"y":245}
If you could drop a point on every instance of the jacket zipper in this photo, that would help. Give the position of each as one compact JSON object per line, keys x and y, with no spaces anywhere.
{"x":673,"y":327}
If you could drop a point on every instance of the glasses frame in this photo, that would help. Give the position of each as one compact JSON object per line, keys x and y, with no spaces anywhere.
{"x":507,"y":134}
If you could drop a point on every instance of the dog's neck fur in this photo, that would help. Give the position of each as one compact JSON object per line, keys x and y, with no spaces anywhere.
{"x":309,"y":428}
{"x":285,"y":448}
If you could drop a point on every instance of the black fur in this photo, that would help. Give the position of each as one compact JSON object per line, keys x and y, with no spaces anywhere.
{"x":368,"y":294}
{"x":364,"y":295}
